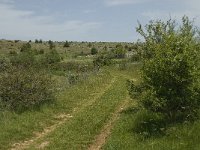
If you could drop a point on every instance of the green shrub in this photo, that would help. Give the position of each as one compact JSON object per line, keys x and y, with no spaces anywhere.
{"x":94,"y":51}
{"x":41,"y":51}
{"x":36,"y":41}
{"x":51,"y":45}
{"x":135,"y":58}
{"x":25,"y":88}
{"x":25,"y":59}
{"x":123,"y":65}
{"x":170,"y":72}
{"x":102,"y":60}
{"x":26,"y":47}
{"x":16,"y":41}
{"x":12,"y":52}
{"x":77,"y":66}
{"x":120,"y":52}
{"x":67,"y":44}
{"x":4,"y":64}
{"x":52,"y":57}
{"x":89,"y":44}
{"x":73,"y":78}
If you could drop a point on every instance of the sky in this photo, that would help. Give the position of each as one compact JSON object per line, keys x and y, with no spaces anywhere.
{"x":87,"y":20}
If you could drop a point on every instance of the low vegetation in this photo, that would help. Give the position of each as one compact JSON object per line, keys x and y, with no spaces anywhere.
{"x":73,"y":95}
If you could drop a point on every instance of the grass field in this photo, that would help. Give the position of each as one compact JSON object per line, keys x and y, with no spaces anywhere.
{"x":18,"y":127}
{"x":178,"y":137}
{"x":96,"y":113}
{"x":74,"y":121}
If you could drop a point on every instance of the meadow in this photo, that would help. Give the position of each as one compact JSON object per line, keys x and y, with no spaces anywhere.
{"x":100,"y":95}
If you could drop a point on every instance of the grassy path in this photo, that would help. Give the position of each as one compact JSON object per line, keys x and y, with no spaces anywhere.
{"x":80,"y":131}
{"x":100,"y":139}
{"x":82,"y":118}
{"x":62,"y":118}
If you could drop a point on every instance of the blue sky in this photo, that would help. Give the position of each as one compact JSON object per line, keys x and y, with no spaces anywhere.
{"x":87,"y":20}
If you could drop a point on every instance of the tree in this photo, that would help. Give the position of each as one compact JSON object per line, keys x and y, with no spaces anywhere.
{"x":36,"y":41}
{"x":89,"y":44}
{"x":26,"y":47}
{"x":119,"y":51}
{"x":51,"y":44}
{"x":94,"y":51}
{"x":170,"y":71}
{"x":101,"y":60}
{"x":66,"y":44}
{"x":52,"y":57}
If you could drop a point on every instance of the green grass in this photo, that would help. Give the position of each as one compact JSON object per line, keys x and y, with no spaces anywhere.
{"x":80,"y":131}
{"x":18,"y":127}
{"x":87,"y":122}
{"x":178,"y":136}
{"x":95,"y":105}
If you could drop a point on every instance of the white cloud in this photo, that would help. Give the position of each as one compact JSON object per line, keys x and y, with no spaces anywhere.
{"x":189,"y":8}
{"x":25,"y":25}
{"x":163,"y":15}
{"x":122,"y":2}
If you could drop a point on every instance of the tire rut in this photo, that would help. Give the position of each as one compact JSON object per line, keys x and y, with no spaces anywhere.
{"x":100,"y":139}
{"x":62,"y":119}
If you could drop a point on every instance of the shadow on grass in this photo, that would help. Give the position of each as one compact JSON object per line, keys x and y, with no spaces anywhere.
{"x":130,"y":110}
{"x":149,"y":125}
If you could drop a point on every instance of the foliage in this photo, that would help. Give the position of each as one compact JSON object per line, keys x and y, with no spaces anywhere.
{"x":24,"y":124}
{"x":147,"y":124}
{"x":12,"y":52}
{"x":25,"y":59}
{"x":41,"y":51}
{"x":36,"y":41}
{"x":102,"y":59}
{"x":24,"y":88}
{"x":4,"y":64}
{"x":94,"y":51}
{"x":120,"y":51}
{"x":89,"y":44}
{"x":66,"y":44}
{"x":16,"y":41}
{"x":25,"y":47}
{"x":170,"y":71}
{"x":123,"y":64}
{"x":135,"y":58}
{"x":51,"y":44}
{"x":73,"y":78}
{"x":52,"y":57}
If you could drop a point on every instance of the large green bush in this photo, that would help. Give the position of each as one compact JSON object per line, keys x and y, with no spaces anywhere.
{"x":94,"y":51}
{"x":102,"y":59}
{"x":119,"y":52}
{"x":25,"y":47}
{"x":66,"y":44}
{"x":24,"y":88}
{"x":25,"y":58}
{"x":51,"y":44}
{"x":170,"y":73}
{"x":4,"y":64}
{"x":52,"y":57}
